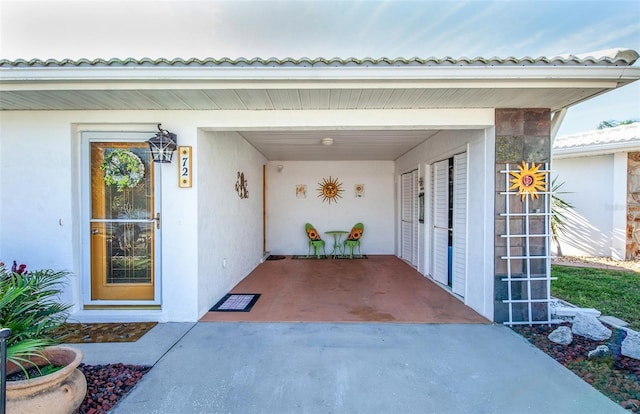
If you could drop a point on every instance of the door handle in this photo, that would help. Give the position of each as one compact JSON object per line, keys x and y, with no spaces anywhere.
{"x":95,"y":231}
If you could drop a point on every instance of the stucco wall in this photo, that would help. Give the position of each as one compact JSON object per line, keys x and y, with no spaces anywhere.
{"x":36,"y":186}
{"x":229,"y":228}
{"x":589,"y":186}
{"x":287,"y":214}
{"x":42,"y":194}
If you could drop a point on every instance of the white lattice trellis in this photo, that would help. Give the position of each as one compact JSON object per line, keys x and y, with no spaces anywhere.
{"x":528,"y":275}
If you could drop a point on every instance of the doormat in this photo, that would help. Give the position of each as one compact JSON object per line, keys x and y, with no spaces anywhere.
{"x":236,"y":302}
{"x":82,"y":333}
{"x":275,"y":257}
{"x":303,"y":257}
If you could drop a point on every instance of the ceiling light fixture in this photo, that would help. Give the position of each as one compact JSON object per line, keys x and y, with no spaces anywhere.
{"x":327,"y":141}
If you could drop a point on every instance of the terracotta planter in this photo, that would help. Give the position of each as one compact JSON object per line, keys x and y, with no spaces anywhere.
{"x":59,"y":392}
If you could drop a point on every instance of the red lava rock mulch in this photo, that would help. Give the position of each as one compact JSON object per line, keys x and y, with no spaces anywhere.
{"x":107,"y":384}
{"x":617,"y":377}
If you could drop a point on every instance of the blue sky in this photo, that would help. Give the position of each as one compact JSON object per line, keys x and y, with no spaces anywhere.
{"x":367,"y":28}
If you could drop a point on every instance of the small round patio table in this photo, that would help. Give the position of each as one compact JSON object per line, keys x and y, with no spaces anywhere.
{"x":338,"y":250}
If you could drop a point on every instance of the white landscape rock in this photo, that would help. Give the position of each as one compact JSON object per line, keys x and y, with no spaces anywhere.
{"x":601,"y":351}
{"x":561,"y":335}
{"x":631,"y":344}
{"x":589,"y":326}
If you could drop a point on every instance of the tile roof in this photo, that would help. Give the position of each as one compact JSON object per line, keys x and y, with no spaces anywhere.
{"x":600,"y":138}
{"x":616,"y":57}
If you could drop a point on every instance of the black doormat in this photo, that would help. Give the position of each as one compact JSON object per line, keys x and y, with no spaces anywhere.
{"x":275,"y":257}
{"x":236,"y":302}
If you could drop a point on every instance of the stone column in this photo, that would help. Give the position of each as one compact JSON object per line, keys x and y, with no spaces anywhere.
{"x":521,"y":135}
{"x":633,"y":207}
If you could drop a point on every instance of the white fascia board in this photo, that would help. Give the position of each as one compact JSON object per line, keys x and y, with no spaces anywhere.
{"x":596,"y":150}
{"x":85,"y":78}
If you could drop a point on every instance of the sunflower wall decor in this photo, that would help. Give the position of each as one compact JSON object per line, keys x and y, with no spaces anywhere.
{"x":330,"y":190}
{"x":528,"y":180}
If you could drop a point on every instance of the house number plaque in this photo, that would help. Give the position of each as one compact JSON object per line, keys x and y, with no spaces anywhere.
{"x":184,"y":168}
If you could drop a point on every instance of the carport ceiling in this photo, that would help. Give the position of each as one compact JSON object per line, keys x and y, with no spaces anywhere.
{"x":348,"y":145}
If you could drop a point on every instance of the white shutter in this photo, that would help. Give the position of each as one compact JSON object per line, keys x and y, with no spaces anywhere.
{"x":459,"y":260}
{"x":440,"y":208}
{"x":414,"y":220}
{"x":406,"y":217}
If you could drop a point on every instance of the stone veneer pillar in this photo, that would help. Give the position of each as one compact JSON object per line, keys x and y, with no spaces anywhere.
{"x":633,"y":206}
{"x":521,"y":135}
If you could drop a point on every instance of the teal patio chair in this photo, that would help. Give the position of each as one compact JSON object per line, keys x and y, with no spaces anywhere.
{"x":314,"y":240}
{"x":353,"y":240}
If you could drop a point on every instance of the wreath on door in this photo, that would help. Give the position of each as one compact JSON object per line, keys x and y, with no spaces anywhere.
{"x":122,"y":168}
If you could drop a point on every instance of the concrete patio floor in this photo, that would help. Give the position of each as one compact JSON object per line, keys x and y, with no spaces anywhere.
{"x":353,"y":368}
{"x":382,"y":288}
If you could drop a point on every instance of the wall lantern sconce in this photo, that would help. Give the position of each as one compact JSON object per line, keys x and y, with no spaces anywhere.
{"x":162,"y":145}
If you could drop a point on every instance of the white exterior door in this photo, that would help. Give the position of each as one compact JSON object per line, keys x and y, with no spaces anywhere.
{"x":449,"y":218}
{"x":409,"y":250}
{"x":440,"y":209}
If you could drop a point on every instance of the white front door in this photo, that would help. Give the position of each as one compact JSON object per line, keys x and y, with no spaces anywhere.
{"x":449,"y":218}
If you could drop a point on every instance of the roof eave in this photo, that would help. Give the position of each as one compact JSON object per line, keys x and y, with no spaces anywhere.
{"x":596,"y":149}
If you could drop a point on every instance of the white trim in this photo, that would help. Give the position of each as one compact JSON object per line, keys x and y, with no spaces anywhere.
{"x":619,"y":208}
{"x":251,"y":77}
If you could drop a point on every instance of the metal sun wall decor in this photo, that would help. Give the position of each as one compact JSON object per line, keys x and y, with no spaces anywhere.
{"x":241,"y":186}
{"x":330,"y":190}
{"x":528,"y":180}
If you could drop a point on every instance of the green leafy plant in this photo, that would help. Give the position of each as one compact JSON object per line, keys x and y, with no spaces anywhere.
{"x":559,"y":210}
{"x":29,"y":306}
{"x":613,"y":123}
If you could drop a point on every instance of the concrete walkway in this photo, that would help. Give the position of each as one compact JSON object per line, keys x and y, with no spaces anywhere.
{"x":350,"y":368}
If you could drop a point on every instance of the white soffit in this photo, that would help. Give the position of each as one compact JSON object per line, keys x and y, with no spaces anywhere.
{"x":306,"y":84}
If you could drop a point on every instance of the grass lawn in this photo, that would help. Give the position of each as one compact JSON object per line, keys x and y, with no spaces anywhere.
{"x":612,"y":292}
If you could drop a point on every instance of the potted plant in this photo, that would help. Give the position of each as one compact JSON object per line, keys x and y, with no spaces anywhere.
{"x":29,"y":306}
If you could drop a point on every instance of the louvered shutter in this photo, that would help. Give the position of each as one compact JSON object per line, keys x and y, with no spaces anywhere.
{"x":459,"y":260}
{"x":440,"y":208}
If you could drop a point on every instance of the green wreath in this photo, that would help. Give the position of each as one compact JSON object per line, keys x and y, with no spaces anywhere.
{"x":122,"y":168}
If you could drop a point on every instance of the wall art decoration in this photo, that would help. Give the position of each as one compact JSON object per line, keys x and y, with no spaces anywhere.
{"x":358,"y":190}
{"x":301,"y":191}
{"x":241,"y":186}
{"x":330,"y":190}
{"x":528,"y":180}
{"x":184,"y":167}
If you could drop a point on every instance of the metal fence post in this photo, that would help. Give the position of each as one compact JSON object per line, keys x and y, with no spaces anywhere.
{"x":5,"y":333}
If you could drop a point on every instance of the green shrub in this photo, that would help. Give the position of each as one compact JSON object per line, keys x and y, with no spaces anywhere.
{"x":29,"y":306}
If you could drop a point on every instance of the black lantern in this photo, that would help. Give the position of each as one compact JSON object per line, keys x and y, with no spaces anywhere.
{"x":162,"y":145}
